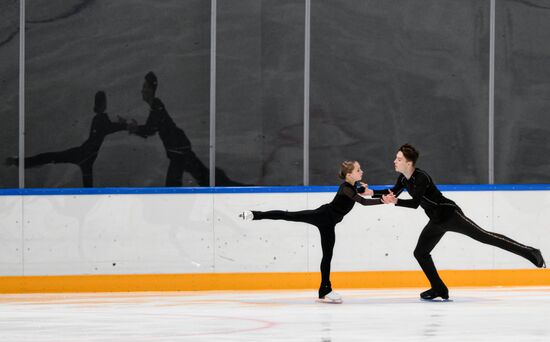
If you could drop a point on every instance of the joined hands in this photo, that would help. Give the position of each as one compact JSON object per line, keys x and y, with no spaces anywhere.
{"x":389,"y":198}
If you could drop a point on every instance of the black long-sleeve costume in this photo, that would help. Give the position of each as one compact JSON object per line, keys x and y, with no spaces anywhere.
{"x":325,"y":219}
{"x":84,"y":155}
{"x":445,"y":215}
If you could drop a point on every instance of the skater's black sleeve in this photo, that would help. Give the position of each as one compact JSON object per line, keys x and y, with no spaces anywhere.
{"x":421,"y":184}
{"x":397,"y":188}
{"x":350,"y":193}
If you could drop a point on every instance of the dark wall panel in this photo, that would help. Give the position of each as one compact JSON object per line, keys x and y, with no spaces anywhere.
{"x":522,"y":91}
{"x":384,"y":73}
{"x":75,"y":48}
{"x":260,"y":75}
{"x":9,"y":86}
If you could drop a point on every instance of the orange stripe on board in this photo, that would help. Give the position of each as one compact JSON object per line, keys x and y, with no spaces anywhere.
{"x":265,"y":281}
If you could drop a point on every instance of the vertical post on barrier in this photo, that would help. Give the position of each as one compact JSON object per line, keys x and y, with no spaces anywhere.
{"x":492,"y":94}
{"x":212,"y":147}
{"x":306,"y":89}
{"x":21,"y":153}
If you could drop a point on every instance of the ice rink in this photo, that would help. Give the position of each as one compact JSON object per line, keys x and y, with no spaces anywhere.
{"x":474,"y":314}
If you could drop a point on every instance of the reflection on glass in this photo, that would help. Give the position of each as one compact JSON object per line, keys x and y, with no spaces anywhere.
{"x":177,"y":145}
{"x":84,"y":155}
{"x":75,"y":48}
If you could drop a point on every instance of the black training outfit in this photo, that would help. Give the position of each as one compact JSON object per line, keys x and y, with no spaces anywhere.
{"x":325,"y":219}
{"x":445,"y":215}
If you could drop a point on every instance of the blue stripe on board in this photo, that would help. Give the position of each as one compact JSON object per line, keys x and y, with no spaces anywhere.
{"x":251,"y":189}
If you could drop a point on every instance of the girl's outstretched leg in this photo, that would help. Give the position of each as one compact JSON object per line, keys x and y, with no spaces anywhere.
{"x":305,"y":216}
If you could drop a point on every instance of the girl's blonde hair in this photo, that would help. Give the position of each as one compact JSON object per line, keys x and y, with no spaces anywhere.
{"x":346,"y":167}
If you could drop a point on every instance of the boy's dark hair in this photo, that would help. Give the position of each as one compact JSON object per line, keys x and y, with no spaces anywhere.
{"x":410,"y":153}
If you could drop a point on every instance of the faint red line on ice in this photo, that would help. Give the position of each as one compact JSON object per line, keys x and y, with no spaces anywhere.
{"x":266,"y":325}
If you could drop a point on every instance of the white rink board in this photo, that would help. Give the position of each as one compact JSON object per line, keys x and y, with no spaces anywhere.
{"x":118,"y":234}
{"x":201,"y":233}
{"x":11,"y":236}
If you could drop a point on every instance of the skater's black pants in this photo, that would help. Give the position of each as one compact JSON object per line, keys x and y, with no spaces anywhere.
{"x":321,"y":219}
{"x":459,"y":223}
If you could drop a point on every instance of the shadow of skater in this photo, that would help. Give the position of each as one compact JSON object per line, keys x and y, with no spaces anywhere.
{"x":177,"y":145}
{"x":84,"y":155}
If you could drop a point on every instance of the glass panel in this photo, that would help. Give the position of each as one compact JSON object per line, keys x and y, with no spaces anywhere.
{"x":259,"y":89}
{"x":76,"y":49}
{"x":385,"y":73}
{"x":9,"y":83}
{"x":522,"y":85}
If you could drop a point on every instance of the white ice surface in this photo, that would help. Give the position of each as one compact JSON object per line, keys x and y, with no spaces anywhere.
{"x":474,"y":314}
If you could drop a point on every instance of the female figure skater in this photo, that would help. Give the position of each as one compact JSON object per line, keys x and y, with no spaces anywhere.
{"x":445,"y":215}
{"x":325,"y":219}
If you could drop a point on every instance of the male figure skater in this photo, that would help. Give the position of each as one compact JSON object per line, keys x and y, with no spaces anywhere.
{"x":445,"y":215}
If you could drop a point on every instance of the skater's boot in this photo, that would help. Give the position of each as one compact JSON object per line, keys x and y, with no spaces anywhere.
{"x":537,"y":259}
{"x":332,"y":298}
{"x":434,"y":293}
{"x":246,"y":215}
